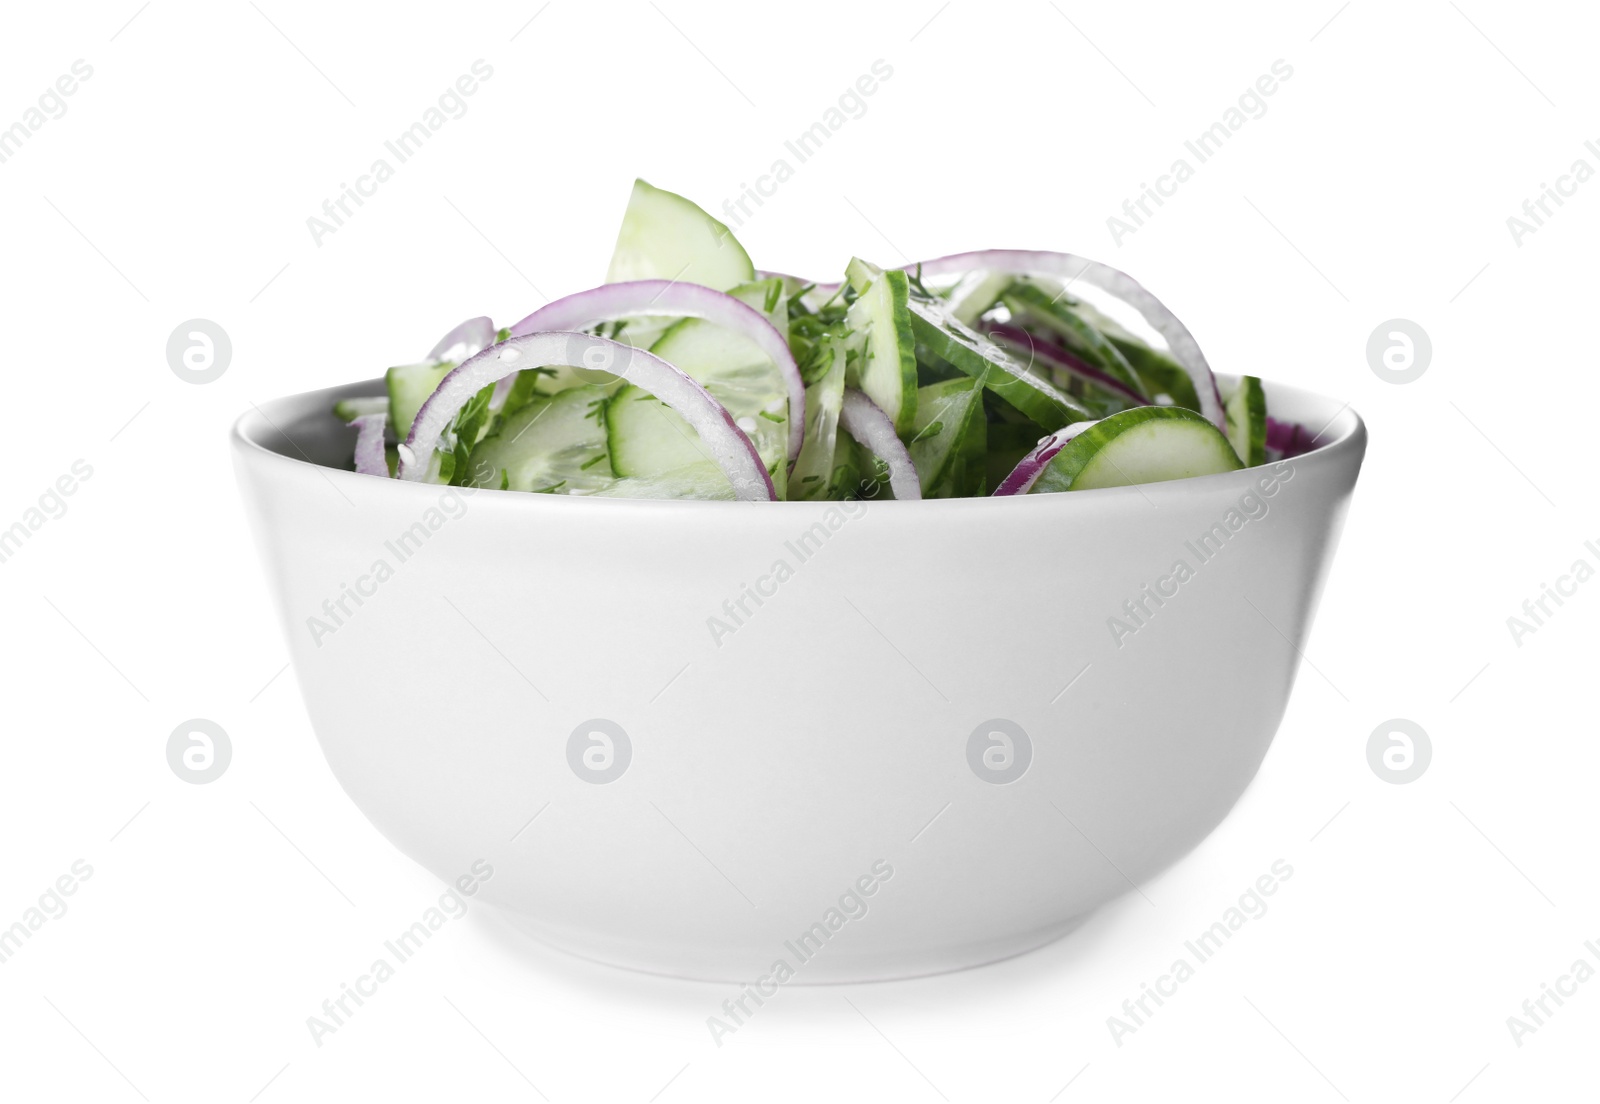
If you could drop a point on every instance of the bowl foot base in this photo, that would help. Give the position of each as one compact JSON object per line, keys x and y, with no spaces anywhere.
{"x":833,"y":964}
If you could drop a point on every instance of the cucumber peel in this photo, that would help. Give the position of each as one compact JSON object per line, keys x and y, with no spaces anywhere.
{"x":1147,"y":444}
{"x":886,"y":369}
{"x":1246,"y":411}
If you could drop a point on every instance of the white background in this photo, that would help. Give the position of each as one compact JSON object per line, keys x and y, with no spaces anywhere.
{"x":1377,"y":185}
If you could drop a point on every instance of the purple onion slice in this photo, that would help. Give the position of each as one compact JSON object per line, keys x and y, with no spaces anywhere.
{"x":1055,"y":356}
{"x":468,"y":339}
{"x":1112,"y":281}
{"x":1027,"y":472}
{"x":369,"y":444}
{"x":608,"y":302}
{"x":873,"y":431}
{"x":727,"y":443}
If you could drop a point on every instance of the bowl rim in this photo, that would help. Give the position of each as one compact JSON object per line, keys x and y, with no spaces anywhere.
{"x":1341,"y":434}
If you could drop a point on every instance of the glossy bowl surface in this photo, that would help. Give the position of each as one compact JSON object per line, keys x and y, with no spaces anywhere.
{"x":865,"y":740}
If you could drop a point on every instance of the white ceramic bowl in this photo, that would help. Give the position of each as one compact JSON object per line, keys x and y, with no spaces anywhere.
{"x":823,"y":783}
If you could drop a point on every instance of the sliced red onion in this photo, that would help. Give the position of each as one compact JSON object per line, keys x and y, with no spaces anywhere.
{"x":665,"y":297}
{"x":1027,"y":473}
{"x":872,"y":429}
{"x":1290,"y":438}
{"x":1114,"y":282}
{"x":466,"y":340}
{"x":728,"y":444}
{"x":1056,"y":356}
{"x":369,"y":444}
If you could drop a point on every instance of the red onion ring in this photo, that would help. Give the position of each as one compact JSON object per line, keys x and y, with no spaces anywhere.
{"x":728,"y":444}
{"x":1027,"y":473}
{"x":466,"y":340}
{"x":369,"y":444}
{"x":589,"y":308}
{"x":872,"y":429}
{"x":1058,"y":357}
{"x":1112,"y":281}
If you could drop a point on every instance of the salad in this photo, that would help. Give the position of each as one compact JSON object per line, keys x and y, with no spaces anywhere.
{"x":691,"y":374}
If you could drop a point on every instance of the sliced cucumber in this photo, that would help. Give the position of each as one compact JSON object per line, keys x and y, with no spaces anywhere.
{"x":1148,"y":444}
{"x":859,"y":274}
{"x":409,"y":387}
{"x":734,"y":370}
{"x":951,"y":439}
{"x":977,"y":293}
{"x":1247,"y":421}
{"x":768,"y":296}
{"x":666,"y":237}
{"x":647,"y":438}
{"x":886,"y":368}
{"x":555,"y":445}
{"x":813,"y":469}
{"x":351,"y":409}
{"x":645,"y":332}
{"x":1030,"y":302}
{"x":945,"y":338}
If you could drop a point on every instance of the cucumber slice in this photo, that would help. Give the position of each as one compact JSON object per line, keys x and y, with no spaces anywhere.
{"x":768,"y":296}
{"x":942,"y":337}
{"x":1148,"y":444}
{"x":645,"y":332}
{"x":1029,"y":302}
{"x":976,"y":294}
{"x":859,"y":274}
{"x":1246,"y":409}
{"x":811,"y":478}
{"x":735,"y":371}
{"x":552,"y":445}
{"x":666,"y":237}
{"x":646,"y":438}
{"x":351,"y":409}
{"x":409,"y":386}
{"x":949,"y":449}
{"x":886,"y":368}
